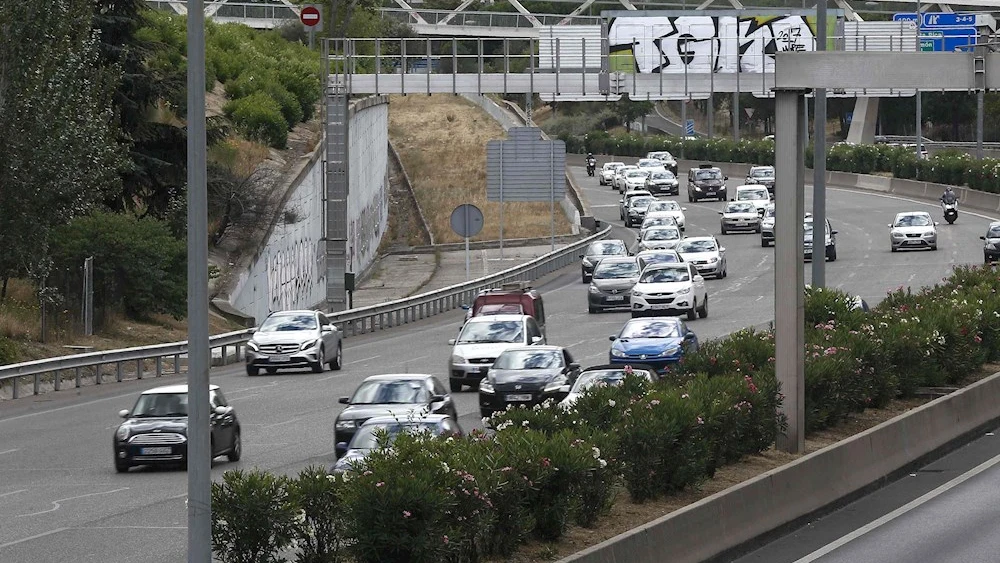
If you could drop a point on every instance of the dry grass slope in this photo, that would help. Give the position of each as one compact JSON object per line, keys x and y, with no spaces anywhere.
{"x":442,"y":143}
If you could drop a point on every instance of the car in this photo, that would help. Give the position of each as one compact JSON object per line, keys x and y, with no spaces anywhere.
{"x":761,"y":175}
{"x":609,"y":375}
{"x":645,"y":163}
{"x":667,"y":159}
{"x":155,"y":430}
{"x":481,"y":340}
{"x":598,"y":250}
{"x":912,"y":229}
{"x":739,"y":216}
{"x":294,"y":339}
{"x":991,"y":244}
{"x":635,"y":212}
{"x":612,"y":281}
{"x":676,"y":289}
{"x":757,"y":195}
{"x":634,"y":180}
{"x":381,"y":431}
{"x":705,"y":253}
{"x":657,"y":342}
{"x":626,"y":198}
{"x":706,"y":182}
{"x":527,"y":376}
{"x":662,"y":182}
{"x":618,"y":181}
{"x":657,"y":219}
{"x":510,"y":298}
{"x":830,"y":251}
{"x":608,"y":172}
{"x":669,"y":206}
{"x":659,"y":238}
{"x":767,"y":227}
{"x":395,"y":394}
{"x":648,"y":257}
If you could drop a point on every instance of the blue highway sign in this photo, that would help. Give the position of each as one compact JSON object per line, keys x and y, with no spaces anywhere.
{"x":944,"y":31}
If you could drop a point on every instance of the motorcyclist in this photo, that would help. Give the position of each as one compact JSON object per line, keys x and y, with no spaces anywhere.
{"x":591,"y":163}
{"x":949,"y":196}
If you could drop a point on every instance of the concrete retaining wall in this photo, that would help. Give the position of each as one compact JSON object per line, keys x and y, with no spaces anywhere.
{"x":743,"y":512}
{"x":368,"y":199}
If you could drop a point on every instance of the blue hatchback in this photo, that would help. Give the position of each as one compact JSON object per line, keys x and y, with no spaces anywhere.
{"x":656,"y":341}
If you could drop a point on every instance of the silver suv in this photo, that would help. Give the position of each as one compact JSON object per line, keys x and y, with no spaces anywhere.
{"x":294,"y":339}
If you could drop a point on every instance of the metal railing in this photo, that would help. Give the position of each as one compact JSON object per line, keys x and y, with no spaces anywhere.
{"x":485,"y":19}
{"x":235,"y":10}
{"x":351,"y":323}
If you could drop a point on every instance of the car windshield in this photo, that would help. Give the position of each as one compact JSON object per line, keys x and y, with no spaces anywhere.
{"x":636,"y":173}
{"x":737,"y":207}
{"x":994,"y":232}
{"x":658,"y":257}
{"x":529,"y":359}
{"x":708,"y":175}
{"x":762,"y":173}
{"x":606,"y":377}
{"x":649,"y":163}
{"x":664,"y":206}
{"x":501,"y":309}
{"x":665,"y":275}
{"x":372,"y":436}
{"x":288,"y":323}
{"x":640,"y":202}
{"x":658,"y":221}
{"x":616,"y":270}
{"x":662,"y":176}
{"x":651,"y":329}
{"x":491,"y":331}
{"x":161,"y":404}
{"x":913,"y":221}
{"x":606,"y":248}
{"x":697,"y":246}
{"x":611,"y":166}
{"x":391,"y":392}
{"x":747,"y":195}
{"x":661,"y":234}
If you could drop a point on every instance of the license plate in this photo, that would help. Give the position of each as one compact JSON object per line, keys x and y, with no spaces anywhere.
{"x":281,"y":358}
{"x":616,"y":298}
{"x":155,"y":451}
{"x":519,"y":397}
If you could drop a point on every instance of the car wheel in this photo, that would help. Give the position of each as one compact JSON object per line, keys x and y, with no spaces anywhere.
{"x":831,"y":254}
{"x":271,"y":371}
{"x":724,"y":231}
{"x":893,"y":248}
{"x":455,"y":386}
{"x":703,"y":310}
{"x":236,"y":449}
{"x":933,"y":247}
{"x":636,"y":314}
{"x":252,"y":370}
{"x":763,"y":243}
{"x":485,"y":413}
{"x":591,"y":309}
{"x":320,"y":362}
{"x":121,"y":466}
{"x":693,"y":312}
{"x":338,"y":360}
{"x":758,"y":229}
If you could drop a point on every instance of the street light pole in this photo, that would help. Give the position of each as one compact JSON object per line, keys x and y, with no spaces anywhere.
{"x":919,"y":118}
{"x":819,"y":160}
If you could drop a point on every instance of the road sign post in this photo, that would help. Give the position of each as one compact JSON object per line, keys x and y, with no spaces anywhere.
{"x":312,"y":20}
{"x":467,"y":221}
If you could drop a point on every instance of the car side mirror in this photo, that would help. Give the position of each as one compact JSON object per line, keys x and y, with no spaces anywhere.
{"x":581,"y":256}
{"x":722,"y":249}
{"x":536,"y":339}
{"x":344,"y":400}
{"x":936,"y":223}
{"x":451,"y":341}
{"x":612,"y":338}
{"x":438,"y":398}
{"x":564,"y":389}
{"x":124,"y":412}
{"x":699,"y":278}
{"x":221,"y":411}
{"x":833,"y":232}
{"x":725,"y":177}
{"x":684,"y":209}
{"x":465,"y":307}
{"x":574,"y":366}
{"x":327,"y":328}
{"x":980,"y":238}
{"x":341,"y":449}
{"x":689,"y":335}
{"x":721,"y":212}
{"x":889,"y":225}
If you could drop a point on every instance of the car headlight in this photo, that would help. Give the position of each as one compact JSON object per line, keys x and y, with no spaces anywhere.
{"x":930,"y":234}
{"x":456,"y":359}
{"x":684,"y":291}
{"x":253,"y":346}
{"x":308,"y":344}
{"x":713,"y":260}
{"x":123,"y":432}
{"x":697,"y":188}
{"x":593,"y":289}
{"x":617,"y":353}
{"x":897,"y":235}
{"x":555,"y":384}
{"x":637,"y":293}
{"x":671,"y":350}
{"x":486,"y":385}
{"x":346,"y":425}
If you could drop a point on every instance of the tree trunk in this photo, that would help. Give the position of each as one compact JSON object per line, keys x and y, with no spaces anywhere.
{"x":3,"y":289}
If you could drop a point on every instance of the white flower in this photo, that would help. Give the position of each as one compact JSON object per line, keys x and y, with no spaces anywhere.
{"x":524,"y":423}
{"x":486,"y":420}
{"x":596,"y":452}
{"x":445,"y":467}
{"x":602,"y":463}
{"x":611,"y":402}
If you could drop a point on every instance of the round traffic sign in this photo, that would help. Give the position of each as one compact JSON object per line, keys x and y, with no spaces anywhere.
{"x":309,"y":16}
{"x":467,"y":220}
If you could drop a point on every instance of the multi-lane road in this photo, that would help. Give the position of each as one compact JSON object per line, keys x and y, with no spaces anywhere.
{"x":60,"y":498}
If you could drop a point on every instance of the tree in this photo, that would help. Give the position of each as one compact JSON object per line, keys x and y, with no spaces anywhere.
{"x":241,"y":200}
{"x":628,"y":111}
{"x":58,"y":144}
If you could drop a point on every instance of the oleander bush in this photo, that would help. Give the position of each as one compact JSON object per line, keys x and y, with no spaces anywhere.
{"x":543,"y":469}
{"x":947,"y":167}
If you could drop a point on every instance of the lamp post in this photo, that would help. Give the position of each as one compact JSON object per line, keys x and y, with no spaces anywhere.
{"x":919,"y":118}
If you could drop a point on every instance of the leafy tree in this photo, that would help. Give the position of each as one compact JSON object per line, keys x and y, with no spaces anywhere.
{"x":139,"y":266}
{"x":628,"y":110}
{"x":57,"y":136}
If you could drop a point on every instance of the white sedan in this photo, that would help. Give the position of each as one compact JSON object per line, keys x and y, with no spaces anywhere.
{"x":670,"y":288}
{"x":705,"y":253}
{"x":913,"y":229}
{"x":608,"y":172}
{"x":740,"y":216}
{"x":635,"y":179}
{"x":659,"y":238}
{"x":669,"y":206}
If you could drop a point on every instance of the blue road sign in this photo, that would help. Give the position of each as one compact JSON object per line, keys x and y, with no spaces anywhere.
{"x":944,"y":31}
{"x":689,"y":127}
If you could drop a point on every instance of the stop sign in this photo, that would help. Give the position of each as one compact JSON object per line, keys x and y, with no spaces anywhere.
{"x":309,"y":16}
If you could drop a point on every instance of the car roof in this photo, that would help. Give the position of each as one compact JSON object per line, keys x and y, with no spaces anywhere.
{"x":642,"y":320}
{"x":666,"y":265}
{"x":546,"y":347}
{"x":638,"y":192}
{"x":995,"y":224}
{"x":654,"y":251}
{"x":663,"y":228}
{"x":173,"y":389}
{"x":492,"y":318}
{"x":907,"y":213}
{"x":399,"y":376}
{"x":754,"y":187}
{"x":707,"y":237}
{"x":758,"y":167}
{"x":618,"y":258}
{"x":293,"y":312}
{"x":413,"y":418}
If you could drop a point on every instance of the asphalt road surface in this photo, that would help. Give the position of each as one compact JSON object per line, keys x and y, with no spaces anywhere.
{"x":61,"y":500}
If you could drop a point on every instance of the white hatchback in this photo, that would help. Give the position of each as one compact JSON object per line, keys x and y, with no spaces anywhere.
{"x":608,"y":172}
{"x":669,"y":206}
{"x":670,"y":288}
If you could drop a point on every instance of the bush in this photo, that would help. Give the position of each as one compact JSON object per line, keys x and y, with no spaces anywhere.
{"x":260,"y":117}
{"x":8,"y":351}
{"x":253,"y":517}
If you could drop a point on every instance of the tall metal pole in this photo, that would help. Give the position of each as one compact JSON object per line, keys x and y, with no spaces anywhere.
{"x":199,"y":502}
{"x":789,"y":274}
{"x":979,"y":123}
{"x":919,"y":118}
{"x":819,"y":161}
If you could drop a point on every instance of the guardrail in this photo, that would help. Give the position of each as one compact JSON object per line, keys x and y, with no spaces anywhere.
{"x":485,"y":19}
{"x":351,"y":323}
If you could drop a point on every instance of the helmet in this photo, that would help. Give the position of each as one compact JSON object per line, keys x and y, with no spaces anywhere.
{"x":949,"y":189}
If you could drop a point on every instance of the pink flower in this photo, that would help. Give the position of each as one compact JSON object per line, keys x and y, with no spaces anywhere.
{"x":444,"y":539}
{"x":380,"y":483}
{"x":701,"y":420}
{"x":977,"y":339}
{"x":406,"y":514}
{"x":546,"y":462}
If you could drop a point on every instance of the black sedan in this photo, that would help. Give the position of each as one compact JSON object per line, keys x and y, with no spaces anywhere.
{"x":383,"y":430}
{"x":598,"y":250}
{"x":155,"y":430}
{"x":527,"y":376}
{"x":401,"y":395}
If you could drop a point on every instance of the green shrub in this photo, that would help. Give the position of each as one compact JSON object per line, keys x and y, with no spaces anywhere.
{"x":8,"y":351}
{"x":319,"y":533}
{"x":253,"y":518}
{"x":259,"y":117}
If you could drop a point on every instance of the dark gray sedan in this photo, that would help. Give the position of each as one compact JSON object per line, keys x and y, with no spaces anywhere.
{"x":597,"y":251}
{"x":527,"y":376}
{"x":613,"y":279}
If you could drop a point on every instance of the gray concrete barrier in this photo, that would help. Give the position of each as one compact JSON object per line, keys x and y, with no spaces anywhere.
{"x":730,"y":518}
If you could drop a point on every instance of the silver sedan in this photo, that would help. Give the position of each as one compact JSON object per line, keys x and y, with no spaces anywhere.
{"x":913,"y":229}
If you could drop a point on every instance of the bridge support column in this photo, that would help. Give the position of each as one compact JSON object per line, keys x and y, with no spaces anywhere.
{"x":789,"y":271}
{"x":862,"y":129}
{"x":337,"y":188}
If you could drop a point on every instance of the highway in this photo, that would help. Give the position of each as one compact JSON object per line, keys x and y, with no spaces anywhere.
{"x":61,"y":500}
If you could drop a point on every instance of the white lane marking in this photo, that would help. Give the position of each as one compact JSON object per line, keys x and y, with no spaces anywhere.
{"x":605,"y":205}
{"x":57,"y":504}
{"x":67,"y":407}
{"x":362,"y":360}
{"x":34,"y":537}
{"x":130,"y":528}
{"x":900,"y":511}
{"x":13,"y":493}
{"x":8,"y":451}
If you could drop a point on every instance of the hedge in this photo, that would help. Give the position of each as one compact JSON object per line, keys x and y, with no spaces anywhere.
{"x":546,"y":468}
{"x":948,"y":167}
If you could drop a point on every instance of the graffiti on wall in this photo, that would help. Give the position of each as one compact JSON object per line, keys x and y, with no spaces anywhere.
{"x":703,"y":43}
{"x":366,"y":230}
{"x":293,"y":273}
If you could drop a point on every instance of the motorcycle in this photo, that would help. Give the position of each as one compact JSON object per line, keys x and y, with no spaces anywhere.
{"x":591,"y":166}
{"x":950,"y":211}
